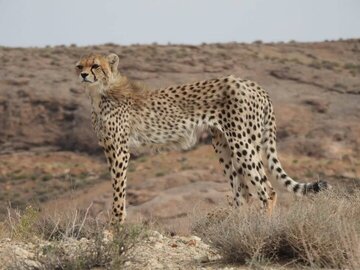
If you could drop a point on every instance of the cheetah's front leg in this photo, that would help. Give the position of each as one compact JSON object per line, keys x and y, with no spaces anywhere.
{"x":118,"y":159}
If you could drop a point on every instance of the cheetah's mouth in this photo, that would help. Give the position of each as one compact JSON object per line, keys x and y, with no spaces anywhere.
{"x":87,"y":81}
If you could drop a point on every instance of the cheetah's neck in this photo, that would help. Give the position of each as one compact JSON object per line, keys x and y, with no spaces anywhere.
{"x":95,"y":97}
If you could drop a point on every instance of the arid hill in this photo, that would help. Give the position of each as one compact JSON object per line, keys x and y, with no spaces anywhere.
{"x":50,"y":157}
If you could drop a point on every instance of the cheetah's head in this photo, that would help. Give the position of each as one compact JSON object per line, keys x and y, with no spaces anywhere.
{"x":95,"y":69}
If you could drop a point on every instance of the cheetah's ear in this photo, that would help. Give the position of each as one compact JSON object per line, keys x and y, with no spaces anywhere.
{"x":113,"y":60}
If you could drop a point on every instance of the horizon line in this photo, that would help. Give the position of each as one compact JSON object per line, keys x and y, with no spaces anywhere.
{"x":257,"y":41}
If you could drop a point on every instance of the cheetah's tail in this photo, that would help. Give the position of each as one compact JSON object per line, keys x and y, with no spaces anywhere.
{"x":269,"y":143}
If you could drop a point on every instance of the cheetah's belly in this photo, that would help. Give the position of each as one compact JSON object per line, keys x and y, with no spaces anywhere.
{"x":174,"y":137}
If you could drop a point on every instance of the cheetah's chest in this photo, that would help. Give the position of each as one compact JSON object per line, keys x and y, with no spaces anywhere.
{"x":106,"y":123}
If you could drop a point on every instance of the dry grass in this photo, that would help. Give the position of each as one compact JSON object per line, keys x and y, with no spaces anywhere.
{"x":71,"y":240}
{"x":321,"y":231}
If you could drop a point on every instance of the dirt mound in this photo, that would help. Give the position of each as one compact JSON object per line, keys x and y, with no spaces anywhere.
{"x":156,"y":251}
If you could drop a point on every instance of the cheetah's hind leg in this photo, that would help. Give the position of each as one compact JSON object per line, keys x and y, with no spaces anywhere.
{"x":222,"y":149}
{"x":246,"y":163}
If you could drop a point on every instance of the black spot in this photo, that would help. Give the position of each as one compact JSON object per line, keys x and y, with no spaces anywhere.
{"x":287,"y":182}
{"x":296,"y":188}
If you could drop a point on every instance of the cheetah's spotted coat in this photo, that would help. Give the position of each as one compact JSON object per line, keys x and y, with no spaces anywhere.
{"x":238,"y":113}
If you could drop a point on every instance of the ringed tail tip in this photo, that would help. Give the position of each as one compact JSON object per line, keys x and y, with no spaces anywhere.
{"x":317,"y":187}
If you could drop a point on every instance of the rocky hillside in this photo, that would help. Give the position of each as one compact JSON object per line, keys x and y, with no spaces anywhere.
{"x":49,"y":154}
{"x":42,"y":104}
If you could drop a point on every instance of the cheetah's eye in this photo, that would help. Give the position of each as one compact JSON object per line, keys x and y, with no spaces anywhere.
{"x":79,"y":67}
{"x":95,"y":66}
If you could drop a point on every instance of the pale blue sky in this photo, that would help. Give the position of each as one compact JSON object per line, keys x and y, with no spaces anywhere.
{"x":86,"y":22}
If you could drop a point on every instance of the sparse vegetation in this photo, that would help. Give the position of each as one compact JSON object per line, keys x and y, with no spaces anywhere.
{"x":324,"y":64}
{"x":340,"y":86}
{"x":72,"y":240}
{"x":353,"y":68}
{"x":321,"y":231}
{"x":329,"y":65}
{"x":160,"y":173}
{"x":315,"y":64}
{"x":44,"y":180}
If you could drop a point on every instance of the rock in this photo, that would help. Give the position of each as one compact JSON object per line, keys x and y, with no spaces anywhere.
{"x":196,"y":238}
{"x":157,"y":235}
{"x":191,"y":242}
{"x":202,"y":259}
{"x":15,"y":255}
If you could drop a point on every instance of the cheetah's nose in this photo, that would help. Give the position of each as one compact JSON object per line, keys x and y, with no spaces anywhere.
{"x":84,"y":75}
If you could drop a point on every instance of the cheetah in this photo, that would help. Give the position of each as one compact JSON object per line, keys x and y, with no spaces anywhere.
{"x":238,"y":113}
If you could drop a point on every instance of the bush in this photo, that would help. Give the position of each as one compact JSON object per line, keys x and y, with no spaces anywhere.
{"x":320,"y":231}
{"x":98,"y":251}
{"x":71,"y":240}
